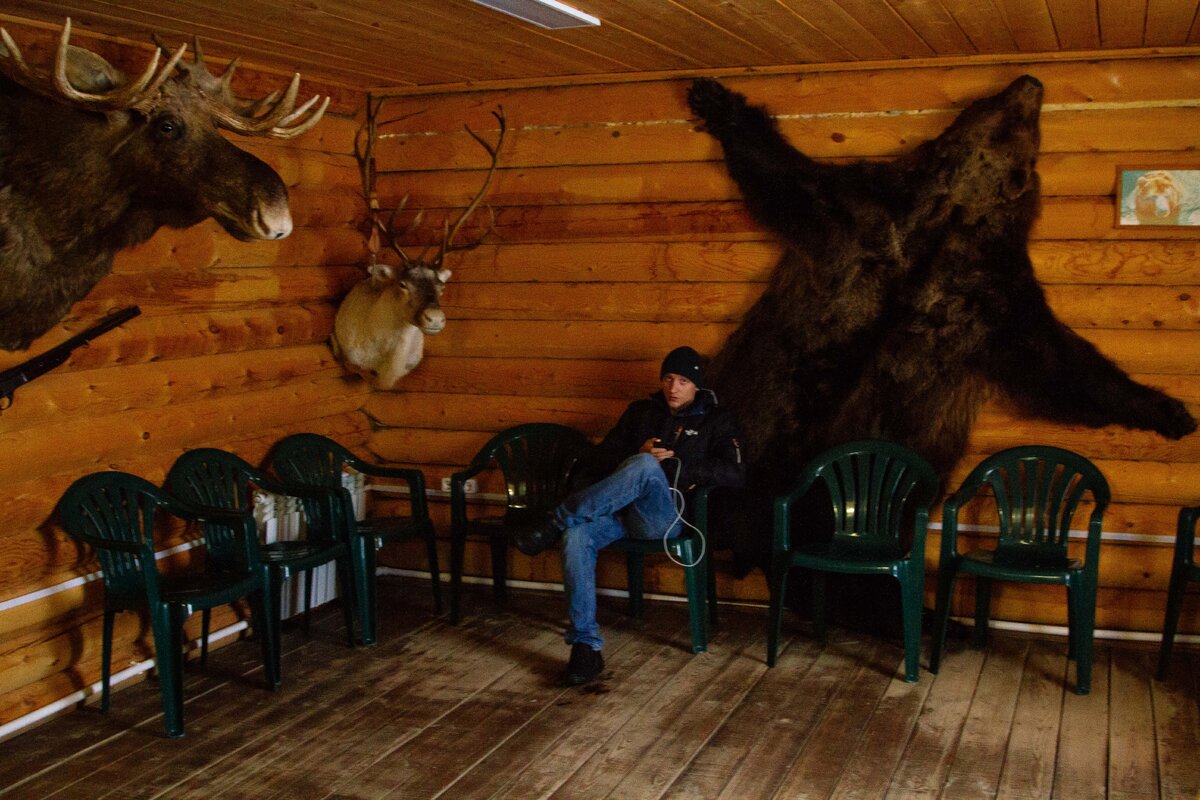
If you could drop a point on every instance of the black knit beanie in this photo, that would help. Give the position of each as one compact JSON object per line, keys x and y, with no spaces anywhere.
{"x":686,"y":362}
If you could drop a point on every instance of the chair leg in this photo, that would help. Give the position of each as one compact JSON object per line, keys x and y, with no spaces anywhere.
{"x":364,"y":555}
{"x":775,"y":614}
{"x":912,"y":600}
{"x":1171,"y":618}
{"x":166,"y":656}
{"x":205,"y":622}
{"x":983,"y":603}
{"x":458,"y":546}
{"x":435,"y":575}
{"x":272,"y":607}
{"x":635,"y":570}
{"x":106,"y":659}
{"x":697,"y":592}
{"x":345,"y":573}
{"x":941,"y":616}
{"x":262,"y":611}
{"x":308,"y":597}
{"x":499,"y":547}
{"x":1081,"y":603}
{"x":819,"y":614}
{"x":710,"y":579}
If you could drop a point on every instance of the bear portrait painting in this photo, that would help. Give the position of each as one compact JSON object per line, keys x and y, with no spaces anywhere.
{"x":1158,"y":196}
{"x":905,"y":295}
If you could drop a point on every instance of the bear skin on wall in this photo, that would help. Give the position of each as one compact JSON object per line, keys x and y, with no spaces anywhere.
{"x":905,"y":294}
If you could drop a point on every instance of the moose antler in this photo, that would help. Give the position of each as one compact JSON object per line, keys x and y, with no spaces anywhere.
{"x":280,"y":122}
{"x":271,"y":116}
{"x":135,"y":94}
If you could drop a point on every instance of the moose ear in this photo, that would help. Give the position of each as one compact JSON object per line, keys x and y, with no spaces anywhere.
{"x":443,"y":275}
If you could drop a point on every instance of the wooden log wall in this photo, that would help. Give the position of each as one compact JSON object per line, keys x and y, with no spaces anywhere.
{"x":619,"y":235}
{"x":230,"y":351}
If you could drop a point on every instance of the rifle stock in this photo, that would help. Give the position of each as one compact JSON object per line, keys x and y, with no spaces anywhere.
{"x":16,"y":377}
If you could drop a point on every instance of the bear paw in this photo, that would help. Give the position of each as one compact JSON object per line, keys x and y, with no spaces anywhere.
{"x":1174,"y":421}
{"x":717,"y":106}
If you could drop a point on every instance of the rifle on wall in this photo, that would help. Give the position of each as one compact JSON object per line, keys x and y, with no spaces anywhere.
{"x":16,"y":377}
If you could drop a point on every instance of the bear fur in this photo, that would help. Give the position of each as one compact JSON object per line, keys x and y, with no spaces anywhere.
{"x":905,"y":295}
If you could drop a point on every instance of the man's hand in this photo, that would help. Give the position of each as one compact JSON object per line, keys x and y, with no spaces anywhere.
{"x":658,"y":452}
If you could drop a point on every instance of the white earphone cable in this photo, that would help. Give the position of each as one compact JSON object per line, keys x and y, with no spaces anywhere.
{"x":680,"y":506}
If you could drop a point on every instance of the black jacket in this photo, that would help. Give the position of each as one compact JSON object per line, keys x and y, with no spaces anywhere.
{"x":704,"y":436}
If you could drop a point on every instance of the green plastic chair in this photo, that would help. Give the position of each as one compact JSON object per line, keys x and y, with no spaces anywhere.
{"x":114,"y":513}
{"x":686,"y":548}
{"x":314,"y":460}
{"x":877,"y":489}
{"x":701,"y":499}
{"x":536,"y":460}
{"x":216,"y":478}
{"x":1183,"y":569}
{"x":1036,"y":490}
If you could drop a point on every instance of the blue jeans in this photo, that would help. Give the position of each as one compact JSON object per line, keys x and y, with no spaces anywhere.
{"x":633,"y":501}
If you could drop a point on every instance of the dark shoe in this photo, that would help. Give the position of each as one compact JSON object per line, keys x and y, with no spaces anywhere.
{"x":538,"y":538}
{"x":585,"y":666}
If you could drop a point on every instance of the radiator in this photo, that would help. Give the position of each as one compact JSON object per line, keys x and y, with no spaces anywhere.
{"x":282,"y":518}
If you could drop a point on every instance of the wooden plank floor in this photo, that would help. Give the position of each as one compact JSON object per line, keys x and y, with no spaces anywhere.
{"x":474,"y":711}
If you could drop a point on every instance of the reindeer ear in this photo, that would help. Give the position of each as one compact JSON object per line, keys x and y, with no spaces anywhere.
{"x":443,"y":275}
{"x":380,"y":273}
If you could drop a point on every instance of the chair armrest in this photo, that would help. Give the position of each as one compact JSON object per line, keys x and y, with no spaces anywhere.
{"x":237,"y":521}
{"x":966,"y":493}
{"x":96,"y":543}
{"x":949,"y":548}
{"x":1185,"y":534}
{"x":292,"y":489}
{"x":413,"y":476}
{"x":782,"y":519}
{"x":337,"y":501}
{"x":700,"y":508}
{"x":415,"y":479}
{"x":458,"y":493}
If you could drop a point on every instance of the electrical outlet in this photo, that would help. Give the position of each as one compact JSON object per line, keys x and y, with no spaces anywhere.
{"x":470,"y":486}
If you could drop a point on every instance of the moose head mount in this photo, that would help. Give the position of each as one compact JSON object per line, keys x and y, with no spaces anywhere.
{"x":92,"y":162}
{"x":382,"y":323}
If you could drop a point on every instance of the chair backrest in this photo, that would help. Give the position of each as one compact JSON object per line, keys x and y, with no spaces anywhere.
{"x":211,"y":477}
{"x":874,"y":488}
{"x":313,"y":460}
{"x":1037,"y":490}
{"x":536,"y":460}
{"x":114,"y":513}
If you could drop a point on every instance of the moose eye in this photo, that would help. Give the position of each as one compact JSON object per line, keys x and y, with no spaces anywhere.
{"x":167,"y":128}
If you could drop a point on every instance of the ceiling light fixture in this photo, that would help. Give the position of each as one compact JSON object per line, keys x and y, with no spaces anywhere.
{"x":543,"y":13}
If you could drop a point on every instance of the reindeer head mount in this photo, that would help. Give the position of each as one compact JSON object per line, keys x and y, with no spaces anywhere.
{"x":414,"y":292}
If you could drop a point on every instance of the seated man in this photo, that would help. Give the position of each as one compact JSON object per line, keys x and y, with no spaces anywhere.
{"x":678,"y":438}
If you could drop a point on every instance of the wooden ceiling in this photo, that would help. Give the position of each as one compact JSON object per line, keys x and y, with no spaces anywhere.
{"x":401,"y":43}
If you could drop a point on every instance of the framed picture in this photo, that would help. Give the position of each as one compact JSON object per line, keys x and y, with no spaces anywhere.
{"x":1158,"y":197}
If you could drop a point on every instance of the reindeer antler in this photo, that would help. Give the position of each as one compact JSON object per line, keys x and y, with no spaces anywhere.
{"x":448,"y":231}
{"x":364,"y":154}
